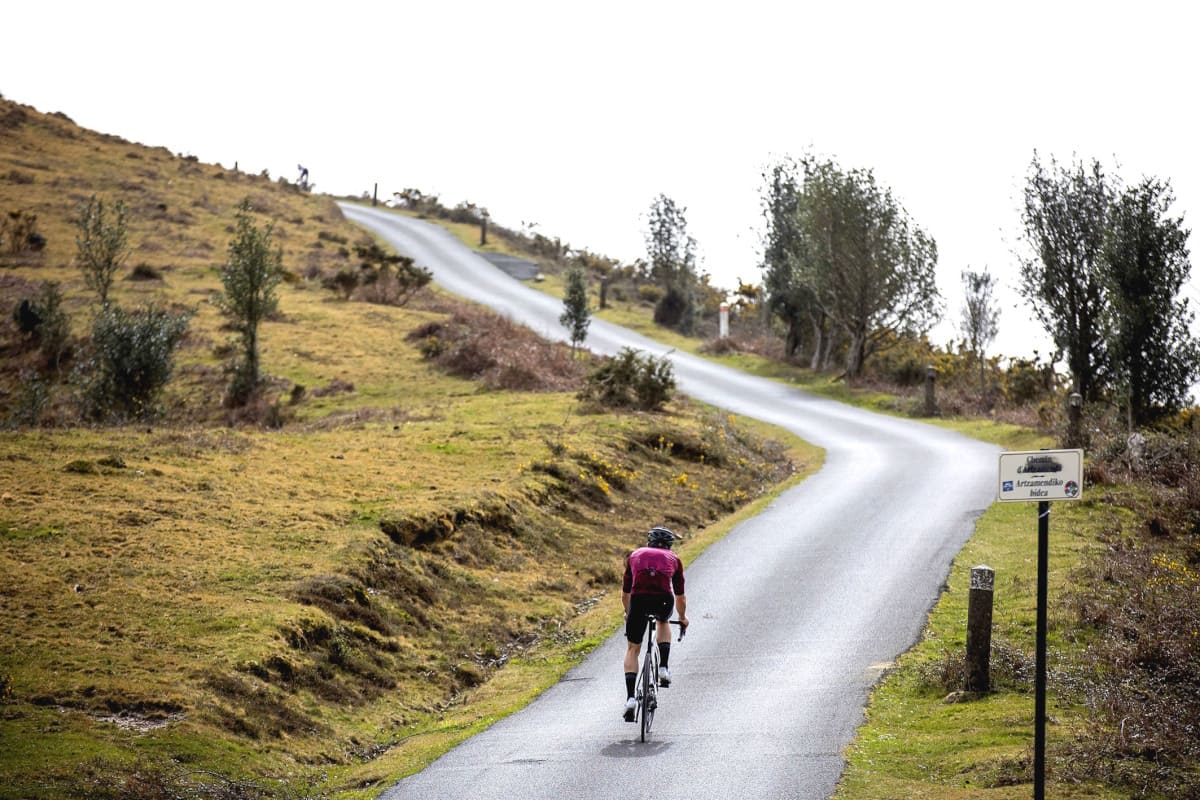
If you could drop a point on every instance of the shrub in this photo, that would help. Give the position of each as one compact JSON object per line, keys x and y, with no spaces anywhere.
{"x":133,"y":361}
{"x":389,"y":279}
{"x":484,"y":346}
{"x":43,"y":319}
{"x":145,"y":272}
{"x":677,"y":309}
{"x":649,"y":293}
{"x":1027,"y":380}
{"x":32,"y":400}
{"x":344,"y":282}
{"x":19,"y":234}
{"x":631,"y":379}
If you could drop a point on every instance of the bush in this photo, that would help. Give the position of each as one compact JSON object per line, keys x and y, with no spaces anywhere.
{"x":631,"y":379}
{"x":649,"y":293}
{"x":1027,"y":380}
{"x":145,"y":272}
{"x":344,"y":281}
{"x":133,"y":361}
{"x":19,"y":233}
{"x":482,"y":345}
{"x":32,"y":400}
{"x":43,"y":319}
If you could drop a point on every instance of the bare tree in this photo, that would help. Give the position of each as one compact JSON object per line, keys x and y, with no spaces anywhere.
{"x":980,"y":317}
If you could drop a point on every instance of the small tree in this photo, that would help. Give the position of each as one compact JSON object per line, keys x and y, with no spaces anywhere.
{"x":672,"y":255}
{"x":251,"y":277}
{"x":980,"y":317}
{"x":101,"y":244}
{"x":576,"y":316}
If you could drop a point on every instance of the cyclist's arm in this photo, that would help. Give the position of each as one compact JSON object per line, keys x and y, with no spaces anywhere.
{"x":681,"y":607}
{"x":625,"y":602}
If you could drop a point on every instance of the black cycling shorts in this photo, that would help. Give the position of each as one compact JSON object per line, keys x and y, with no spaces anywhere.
{"x":660,"y":605}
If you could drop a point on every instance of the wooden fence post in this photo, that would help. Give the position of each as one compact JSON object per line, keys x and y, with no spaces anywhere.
{"x":979,"y":629}
{"x":930,"y":401}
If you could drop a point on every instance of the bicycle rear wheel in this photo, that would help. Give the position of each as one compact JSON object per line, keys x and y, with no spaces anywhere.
{"x":649,"y":696}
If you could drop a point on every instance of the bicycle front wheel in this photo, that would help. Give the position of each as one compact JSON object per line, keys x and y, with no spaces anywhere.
{"x":649,"y":690}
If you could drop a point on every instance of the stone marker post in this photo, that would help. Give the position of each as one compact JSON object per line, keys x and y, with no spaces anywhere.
{"x":979,"y":629}
{"x":930,"y":402}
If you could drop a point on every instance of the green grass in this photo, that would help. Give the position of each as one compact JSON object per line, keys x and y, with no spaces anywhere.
{"x":916,"y":744}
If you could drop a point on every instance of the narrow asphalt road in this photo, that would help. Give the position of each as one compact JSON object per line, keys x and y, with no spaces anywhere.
{"x":795,"y":613}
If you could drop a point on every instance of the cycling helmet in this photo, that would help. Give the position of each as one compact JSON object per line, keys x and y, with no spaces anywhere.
{"x":660,"y":537}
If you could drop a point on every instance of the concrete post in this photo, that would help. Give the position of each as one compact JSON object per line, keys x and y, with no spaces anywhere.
{"x":930,"y":400}
{"x":1074,"y":424}
{"x":724,"y":324}
{"x":979,"y":629}
{"x":483,"y":218}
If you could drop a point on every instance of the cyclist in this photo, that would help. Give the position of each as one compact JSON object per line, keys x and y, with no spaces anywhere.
{"x":653,"y":584}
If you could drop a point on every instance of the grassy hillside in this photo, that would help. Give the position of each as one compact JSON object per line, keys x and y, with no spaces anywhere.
{"x":202,"y":603}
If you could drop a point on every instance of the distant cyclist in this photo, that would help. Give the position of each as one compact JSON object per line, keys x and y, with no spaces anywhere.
{"x":653,"y":585}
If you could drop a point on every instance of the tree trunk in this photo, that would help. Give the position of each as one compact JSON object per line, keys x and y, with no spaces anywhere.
{"x":855,"y":355}
{"x":792,"y":342}
{"x":819,"y":345}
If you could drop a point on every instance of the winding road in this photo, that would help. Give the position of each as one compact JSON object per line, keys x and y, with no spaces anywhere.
{"x":795,"y":613}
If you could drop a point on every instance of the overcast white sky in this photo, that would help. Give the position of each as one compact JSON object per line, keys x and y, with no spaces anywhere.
{"x":576,"y":116}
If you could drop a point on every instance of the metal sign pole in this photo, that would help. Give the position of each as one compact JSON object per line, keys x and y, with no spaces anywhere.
{"x":1039,"y":703}
{"x":1041,"y":475}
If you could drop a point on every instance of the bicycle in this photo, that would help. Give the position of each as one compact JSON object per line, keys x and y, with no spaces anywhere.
{"x":646,"y":692}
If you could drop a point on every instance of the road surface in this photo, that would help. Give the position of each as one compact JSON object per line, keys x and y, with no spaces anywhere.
{"x":795,"y":613}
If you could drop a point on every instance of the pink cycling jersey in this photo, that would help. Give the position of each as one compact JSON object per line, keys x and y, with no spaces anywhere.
{"x":653,"y":570}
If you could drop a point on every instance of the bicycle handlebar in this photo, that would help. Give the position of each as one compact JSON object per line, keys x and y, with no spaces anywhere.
{"x":682,"y":627}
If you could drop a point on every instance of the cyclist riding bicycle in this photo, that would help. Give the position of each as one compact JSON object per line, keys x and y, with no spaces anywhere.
{"x":653,"y":584}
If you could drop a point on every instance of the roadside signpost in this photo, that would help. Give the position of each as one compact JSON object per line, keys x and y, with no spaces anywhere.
{"x":1041,"y":476}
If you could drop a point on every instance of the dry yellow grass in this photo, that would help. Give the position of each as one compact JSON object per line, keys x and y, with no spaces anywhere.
{"x":187,"y":595}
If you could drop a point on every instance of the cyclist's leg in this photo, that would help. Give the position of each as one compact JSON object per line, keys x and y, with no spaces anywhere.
{"x":663,"y":637}
{"x":633,"y":651}
{"x":635,"y":627}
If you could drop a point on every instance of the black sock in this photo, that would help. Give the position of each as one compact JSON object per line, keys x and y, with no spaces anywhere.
{"x":664,"y":654}
{"x":630,"y":682}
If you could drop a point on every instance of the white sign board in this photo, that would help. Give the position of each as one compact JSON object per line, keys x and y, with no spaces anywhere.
{"x":1030,"y":475}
